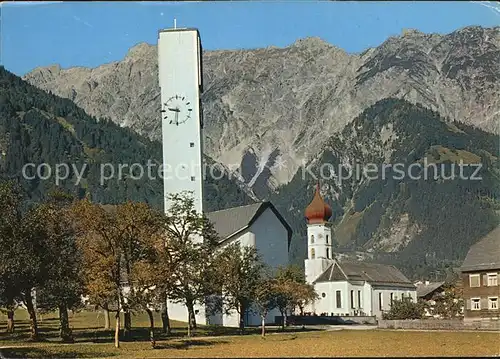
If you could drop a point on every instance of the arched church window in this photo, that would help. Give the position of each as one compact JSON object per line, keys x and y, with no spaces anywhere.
{"x":313,"y":253}
{"x":323,"y":295}
{"x":327,"y":239}
{"x":312,"y":238}
{"x":328,"y":253}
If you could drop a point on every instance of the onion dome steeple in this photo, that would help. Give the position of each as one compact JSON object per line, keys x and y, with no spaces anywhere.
{"x":318,"y":211}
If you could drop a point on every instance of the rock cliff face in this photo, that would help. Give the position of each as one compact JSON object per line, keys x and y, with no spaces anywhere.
{"x":268,"y":111}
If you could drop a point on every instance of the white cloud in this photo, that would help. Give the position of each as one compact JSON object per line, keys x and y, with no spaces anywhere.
{"x":492,"y":5}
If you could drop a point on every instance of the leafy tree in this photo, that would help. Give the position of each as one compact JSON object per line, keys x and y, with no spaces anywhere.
{"x":10,"y":200}
{"x":291,"y":290}
{"x":25,"y":259}
{"x":113,"y":239}
{"x":305,"y":294}
{"x":187,"y":260}
{"x":449,"y":304}
{"x":100,"y":243}
{"x":405,"y":308}
{"x":64,"y":285}
{"x":146,"y":293}
{"x":265,"y":299}
{"x":240,"y":270}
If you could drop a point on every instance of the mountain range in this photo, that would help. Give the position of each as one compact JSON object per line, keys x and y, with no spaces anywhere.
{"x":263,"y":107}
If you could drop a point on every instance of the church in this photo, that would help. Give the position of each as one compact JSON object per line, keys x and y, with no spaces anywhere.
{"x":344,"y":288}
{"x":347,"y":288}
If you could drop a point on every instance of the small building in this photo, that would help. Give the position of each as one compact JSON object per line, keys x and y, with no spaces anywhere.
{"x":480,"y":271}
{"x":429,"y":292}
{"x":347,"y":288}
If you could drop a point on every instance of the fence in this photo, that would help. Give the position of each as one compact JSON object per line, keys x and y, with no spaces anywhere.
{"x":436,"y":324}
{"x":326,"y":320}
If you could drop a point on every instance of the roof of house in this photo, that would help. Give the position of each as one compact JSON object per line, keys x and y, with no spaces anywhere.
{"x":373,"y":273}
{"x":426,"y":289}
{"x":232,"y":221}
{"x":484,"y":254}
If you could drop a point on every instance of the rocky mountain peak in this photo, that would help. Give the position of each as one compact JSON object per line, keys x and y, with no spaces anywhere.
{"x":279,"y":101}
{"x":141,"y":49}
{"x":311,"y":41}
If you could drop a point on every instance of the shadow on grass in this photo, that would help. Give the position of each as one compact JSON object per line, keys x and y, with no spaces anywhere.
{"x":28,"y":352}
{"x":189,"y":343}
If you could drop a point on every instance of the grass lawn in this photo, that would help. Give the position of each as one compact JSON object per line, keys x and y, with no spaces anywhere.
{"x":93,"y":342}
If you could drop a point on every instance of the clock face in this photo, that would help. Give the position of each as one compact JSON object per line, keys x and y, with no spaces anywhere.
{"x":177,"y":110}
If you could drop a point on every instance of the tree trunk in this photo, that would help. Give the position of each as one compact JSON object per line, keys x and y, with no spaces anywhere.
{"x":191,"y":316}
{"x":106,"y":317}
{"x":263,"y":325}
{"x":242,"y":318}
{"x":127,"y":324}
{"x":285,"y":319}
{"x":10,"y":321}
{"x":31,"y":310}
{"x":282,"y":319}
{"x":165,"y":320}
{"x":65,"y":331}
{"x":151,"y":328}
{"x":117,"y":329}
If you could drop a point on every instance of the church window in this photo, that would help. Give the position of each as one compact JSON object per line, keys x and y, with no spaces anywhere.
{"x":191,"y":144}
{"x":392,"y":297}
{"x":312,"y":238}
{"x":352,"y":299}
{"x":192,"y":178}
{"x":380,"y":301}
{"x":323,"y":295}
{"x":328,"y":253}
{"x":359,"y":299}
{"x":313,"y":253}
{"x":327,"y":239}
{"x":338,"y":298}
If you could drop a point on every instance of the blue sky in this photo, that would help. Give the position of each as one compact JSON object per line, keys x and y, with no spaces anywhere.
{"x":90,"y":34}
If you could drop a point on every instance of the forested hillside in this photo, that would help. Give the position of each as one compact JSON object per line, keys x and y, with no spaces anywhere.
{"x":38,"y":127}
{"x":424,"y":225}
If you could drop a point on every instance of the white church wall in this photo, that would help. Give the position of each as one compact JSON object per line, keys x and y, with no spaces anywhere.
{"x":327,"y":302}
{"x":272,"y":243}
{"x":367,"y":299}
{"x":356,"y":298}
{"x":271,"y":239}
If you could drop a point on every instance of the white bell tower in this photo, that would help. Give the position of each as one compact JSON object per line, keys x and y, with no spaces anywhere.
{"x":180,"y":79}
{"x":319,"y":237}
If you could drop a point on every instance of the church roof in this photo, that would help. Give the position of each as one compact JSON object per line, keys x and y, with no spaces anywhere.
{"x":318,"y":210}
{"x":484,"y":254}
{"x":373,"y":273}
{"x":232,"y":221}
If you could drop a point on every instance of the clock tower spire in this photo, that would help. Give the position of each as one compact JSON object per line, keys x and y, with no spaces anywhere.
{"x":180,"y":80}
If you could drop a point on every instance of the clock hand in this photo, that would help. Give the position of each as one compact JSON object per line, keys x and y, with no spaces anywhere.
{"x":174,"y":109}
{"x":177,"y":118}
